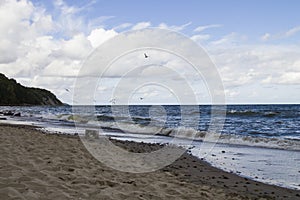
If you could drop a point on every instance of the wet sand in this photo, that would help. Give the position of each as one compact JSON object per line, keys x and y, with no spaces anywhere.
{"x":35,"y":165}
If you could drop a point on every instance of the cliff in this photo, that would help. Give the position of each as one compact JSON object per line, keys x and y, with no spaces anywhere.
{"x":14,"y":94}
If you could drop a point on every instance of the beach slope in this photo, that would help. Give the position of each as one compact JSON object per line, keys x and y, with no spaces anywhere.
{"x":35,"y":165}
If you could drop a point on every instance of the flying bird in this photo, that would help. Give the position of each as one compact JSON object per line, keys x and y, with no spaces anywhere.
{"x":113,"y":101}
{"x":67,"y":90}
{"x":141,"y":98}
{"x":146,"y":56}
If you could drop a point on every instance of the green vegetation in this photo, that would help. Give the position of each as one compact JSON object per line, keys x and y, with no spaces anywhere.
{"x":13,"y":93}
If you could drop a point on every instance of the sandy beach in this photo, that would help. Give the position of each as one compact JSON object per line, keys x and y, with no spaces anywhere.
{"x":35,"y":165}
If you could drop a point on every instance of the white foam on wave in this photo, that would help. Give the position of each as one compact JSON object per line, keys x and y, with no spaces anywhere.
{"x":271,"y":142}
{"x":292,"y":143}
{"x":288,"y":143}
{"x":284,"y":142}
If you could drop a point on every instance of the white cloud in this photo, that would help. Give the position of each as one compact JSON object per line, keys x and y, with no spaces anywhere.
{"x":202,"y":28}
{"x":64,"y":7}
{"x":22,"y":24}
{"x":62,"y":68}
{"x":292,"y":31}
{"x":243,"y":65}
{"x":231,"y":93}
{"x":289,"y":33}
{"x":141,"y":25}
{"x":174,"y":28}
{"x":34,"y":52}
{"x":200,"y":37}
{"x":98,"y":22}
{"x":98,"y":36}
{"x":164,"y":68}
{"x":266,"y":36}
{"x":76,"y":48}
{"x":290,"y":78}
{"x":267,"y":80}
{"x":68,"y":22}
{"x":285,"y":78}
{"x":72,"y":20}
{"x":230,"y":40}
{"x":122,"y":26}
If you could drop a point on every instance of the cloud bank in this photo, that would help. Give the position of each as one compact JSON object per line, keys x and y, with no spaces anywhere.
{"x":43,"y":48}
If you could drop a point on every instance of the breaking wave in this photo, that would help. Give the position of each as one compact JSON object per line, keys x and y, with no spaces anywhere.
{"x":121,"y":124}
{"x":246,"y":125}
{"x":261,"y":113}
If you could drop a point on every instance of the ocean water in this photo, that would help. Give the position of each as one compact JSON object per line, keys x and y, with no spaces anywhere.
{"x":261,"y":142}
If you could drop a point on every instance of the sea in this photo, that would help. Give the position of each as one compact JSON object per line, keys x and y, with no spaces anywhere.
{"x":260,"y":142}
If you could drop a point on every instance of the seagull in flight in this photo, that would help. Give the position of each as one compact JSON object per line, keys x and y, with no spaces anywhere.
{"x":146,"y":56}
{"x":113,"y":101}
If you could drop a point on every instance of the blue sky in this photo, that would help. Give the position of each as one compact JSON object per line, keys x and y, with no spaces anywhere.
{"x":254,"y":44}
{"x":253,"y":18}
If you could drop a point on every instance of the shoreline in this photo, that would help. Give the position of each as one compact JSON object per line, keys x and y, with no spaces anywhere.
{"x":62,"y":168}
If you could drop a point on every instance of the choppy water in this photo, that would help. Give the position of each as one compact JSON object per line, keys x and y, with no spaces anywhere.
{"x":274,"y":126}
{"x":260,"y":130}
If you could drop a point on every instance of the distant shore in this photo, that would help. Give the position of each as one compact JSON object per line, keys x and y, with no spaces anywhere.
{"x":35,"y":165}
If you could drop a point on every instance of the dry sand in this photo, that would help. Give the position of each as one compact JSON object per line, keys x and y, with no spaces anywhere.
{"x":43,"y":166}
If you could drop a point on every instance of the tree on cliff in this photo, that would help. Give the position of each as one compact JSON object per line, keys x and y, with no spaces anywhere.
{"x":13,"y":93}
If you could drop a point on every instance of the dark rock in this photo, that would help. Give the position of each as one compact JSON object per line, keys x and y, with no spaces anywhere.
{"x":71,"y":170}
{"x":8,"y":113}
{"x":17,"y":114}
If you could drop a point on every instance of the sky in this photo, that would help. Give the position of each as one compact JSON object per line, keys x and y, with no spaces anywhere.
{"x":255,"y":45}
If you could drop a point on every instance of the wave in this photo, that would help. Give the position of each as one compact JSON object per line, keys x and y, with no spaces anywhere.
{"x":145,"y":120}
{"x":151,"y":126}
{"x":270,"y":114}
{"x":291,"y":143}
{"x":271,"y":142}
{"x":140,"y":125}
{"x":262,"y":113}
{"x":243,"y":113}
